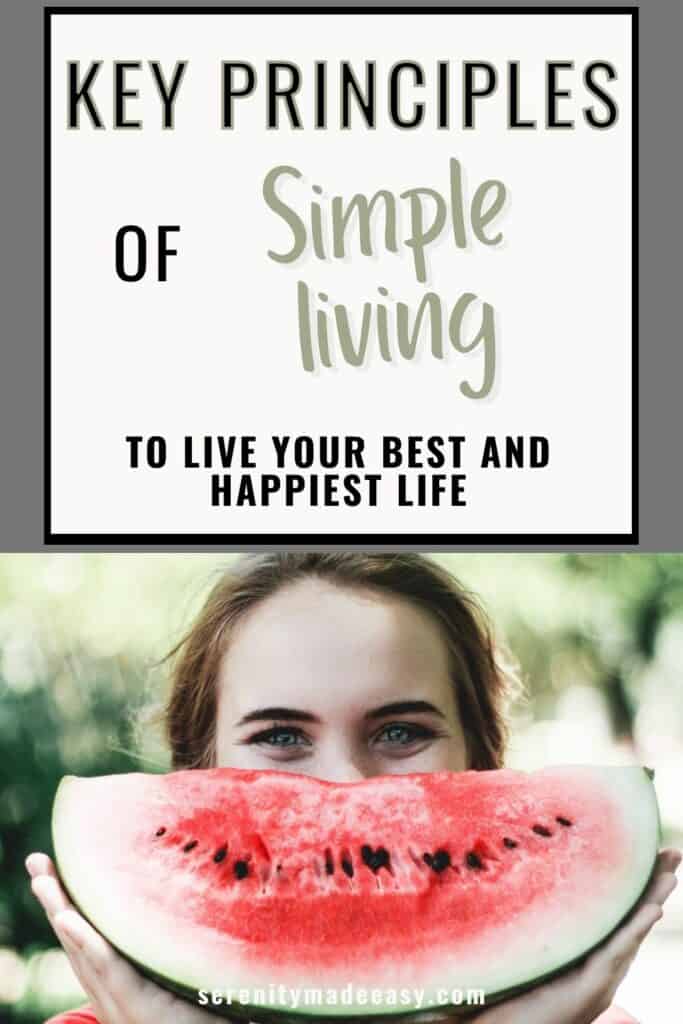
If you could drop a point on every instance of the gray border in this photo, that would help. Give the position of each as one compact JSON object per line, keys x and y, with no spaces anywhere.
{"x":21,"y":419}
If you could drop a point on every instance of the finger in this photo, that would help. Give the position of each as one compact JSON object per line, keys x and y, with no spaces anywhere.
{"x":661,"y":889}
{"x":56,"y":904}
{"x":623,"y":946}
{"x":39,"y":864}
{"x":50,"y":894}
{"x":123,"y":993}
{"x":670,"y":859}
{"x":104,"y":969}
{"x":104,"y":1007}
{"x":667,"y":863}
{"x":92,"y":957}
{"x":606,"y":968}
{"x":636,"y":930}
{"x":663,"y":880}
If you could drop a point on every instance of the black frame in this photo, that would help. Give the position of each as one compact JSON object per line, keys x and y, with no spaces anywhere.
{"x":432,"y":541}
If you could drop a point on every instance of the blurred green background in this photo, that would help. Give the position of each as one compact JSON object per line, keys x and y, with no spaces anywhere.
{"x":599,"y":639}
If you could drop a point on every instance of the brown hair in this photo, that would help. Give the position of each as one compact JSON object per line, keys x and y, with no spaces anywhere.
{"x":482,"y":682}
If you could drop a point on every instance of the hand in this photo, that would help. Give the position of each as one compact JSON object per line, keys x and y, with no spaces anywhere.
{"x":581,"y":995}
{"x":117,"y":992}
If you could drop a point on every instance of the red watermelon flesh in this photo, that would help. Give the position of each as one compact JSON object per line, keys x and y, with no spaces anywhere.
{"x":220,"y":879}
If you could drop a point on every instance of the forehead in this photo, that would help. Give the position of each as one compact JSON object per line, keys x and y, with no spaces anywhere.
{"x":317,"y":643}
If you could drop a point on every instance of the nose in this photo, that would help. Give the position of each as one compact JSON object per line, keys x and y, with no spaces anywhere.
{"x":344,"y":768}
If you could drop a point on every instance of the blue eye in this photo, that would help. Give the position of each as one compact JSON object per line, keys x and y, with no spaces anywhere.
{"x":280,"y":736}
{"x":402,"y":733}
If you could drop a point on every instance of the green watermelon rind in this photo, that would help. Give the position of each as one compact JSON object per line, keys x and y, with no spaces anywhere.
{"x":260,"y":1014}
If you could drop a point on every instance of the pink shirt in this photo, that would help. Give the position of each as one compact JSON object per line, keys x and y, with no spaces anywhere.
{"x":85,"y":1016}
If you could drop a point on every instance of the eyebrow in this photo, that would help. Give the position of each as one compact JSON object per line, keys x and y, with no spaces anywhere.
{"x":284,"y":714}
{"x":401,"y":707}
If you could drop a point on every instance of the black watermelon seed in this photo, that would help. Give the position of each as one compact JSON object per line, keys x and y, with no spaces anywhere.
{"x":375,"y":859}
{"x":428,"y":859}
{"x":347,"y":867}
{"x":329,"y":863}
{"x":441,"y":860}
{"x":161,"y":831}
{"x":220,"y":854}
{"x":541,"y":830}
{"x":190,"y":846}
{"x":510,"y":843}
{"x":241,"y":869}
{"x":563,"y":821}
{"x":368,"y":859}
{"x":474,"y":860}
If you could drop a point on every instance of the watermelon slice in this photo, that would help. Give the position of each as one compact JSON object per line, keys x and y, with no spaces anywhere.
{"x":431,"y":889}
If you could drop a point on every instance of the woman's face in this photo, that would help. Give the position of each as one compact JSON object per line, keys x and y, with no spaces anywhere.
{"x":340,"y":684}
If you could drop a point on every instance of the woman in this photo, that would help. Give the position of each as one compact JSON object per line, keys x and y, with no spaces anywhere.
{"x":340,"y":666}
